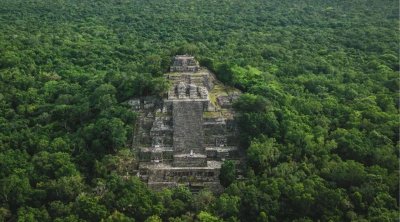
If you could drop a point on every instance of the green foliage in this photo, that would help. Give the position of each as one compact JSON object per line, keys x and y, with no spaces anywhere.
{"x":227,"y":173}
{"x":131,"y":197}
{"x":224,"y":73}
{"x":118,"y":217}
{"x":263,"y":154}
{"x":207,"y":217}
{"x":153,"y":219}
{"x":318,"y":118}
{"x":188,"y":48}
{"x":105,"y":136}
{"x":203,"y":200}
{"x":29,"y":214}
{"x":16,"y":189}
{"x":89,"y":208}
{"x":244,"y":78}
{"x":345,"y":174}
{"x":227,"y":205}
{"x":251,"y":103}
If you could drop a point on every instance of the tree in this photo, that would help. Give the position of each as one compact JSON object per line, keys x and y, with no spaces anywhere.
{"x":131,"y":197}
{"x":53,"y":166}
{"x":203,"y":200}
{"x":263,"y":154}
{"x":153,"y":218}
{"x":4,"y":213}
{"x":57,"y":209}
{"x":250,"y":103}
{"x":105,"y":136}
{"x":15,"y":189}
{"x":244,"y":78}
{"x":118,"y":217}
{"x":228,"y":173}
{"x":224,"y":73}
{"x":207,"y":217}
{"x":188,"y":48}
{"x":153,"y":65}
{"x":227,"y":205}
{"x":33,"y":214}
{"x":345,"y":173}
{"x":89,"y":208}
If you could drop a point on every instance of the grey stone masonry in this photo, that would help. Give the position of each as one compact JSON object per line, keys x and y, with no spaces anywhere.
{"x":184,"y":63}
{"x":188,"y":127}
{"x":183,"y":138}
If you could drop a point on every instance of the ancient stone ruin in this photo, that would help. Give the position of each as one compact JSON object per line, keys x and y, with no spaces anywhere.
{"x":184,"y":63}
{"x":185,"y":137}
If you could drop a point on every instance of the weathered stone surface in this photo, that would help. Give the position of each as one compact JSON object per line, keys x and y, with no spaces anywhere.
{"x":190,"y":160}
{"x":203,"y":92}
{"x":134,"y":103}
{"x":184,"y":63}
{"x":188,"y":129}
{"x":185,"y":137}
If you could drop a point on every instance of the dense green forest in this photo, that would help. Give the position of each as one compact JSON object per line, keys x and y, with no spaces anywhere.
{"x":318,"y":117}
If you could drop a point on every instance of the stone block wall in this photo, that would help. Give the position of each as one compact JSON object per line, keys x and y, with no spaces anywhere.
{"x":186,"y":136}
{"x":182,"y":175}
{"x":212,"y":131}
{"x":188,"y":128}
{"x":186,"y":160}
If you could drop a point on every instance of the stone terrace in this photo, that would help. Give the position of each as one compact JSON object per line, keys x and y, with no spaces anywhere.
{"x":184,"y":138}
